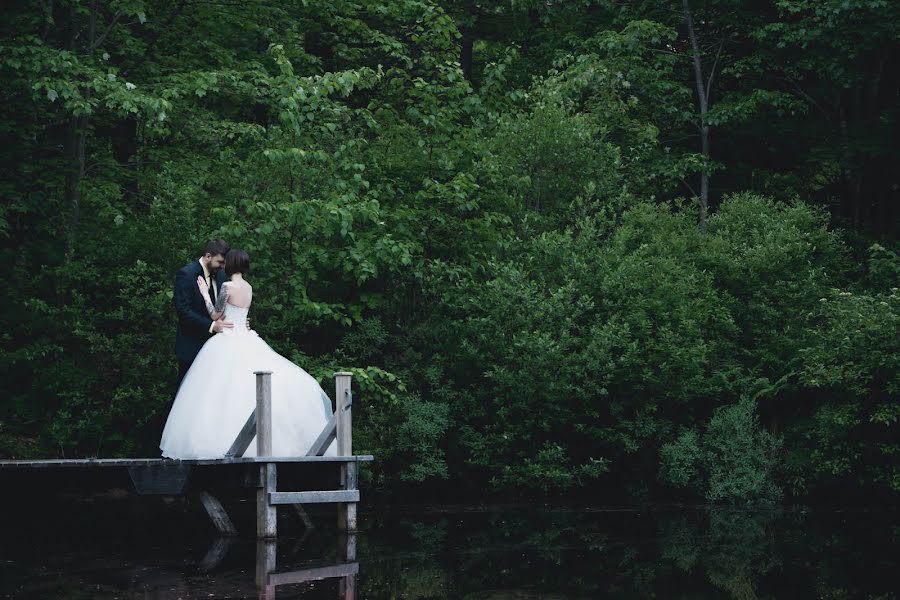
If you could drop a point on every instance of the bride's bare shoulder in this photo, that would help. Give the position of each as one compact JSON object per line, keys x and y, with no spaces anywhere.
{"x":239,"y":285}
{"x":245,"y":288}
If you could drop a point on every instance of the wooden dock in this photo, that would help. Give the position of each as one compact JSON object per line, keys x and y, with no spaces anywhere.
{"x":169,"y":476}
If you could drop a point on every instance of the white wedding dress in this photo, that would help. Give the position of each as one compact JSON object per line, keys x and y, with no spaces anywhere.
{"x":218,"y":393}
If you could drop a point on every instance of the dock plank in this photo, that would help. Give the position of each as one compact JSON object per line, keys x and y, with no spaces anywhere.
{"x":152,"y":462}
{"x":325,"y":497}
{"x":304,"y":575}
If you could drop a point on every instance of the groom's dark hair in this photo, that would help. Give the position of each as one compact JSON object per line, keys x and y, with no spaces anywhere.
{"x":217,"y":247}
{"x":236,"y":261}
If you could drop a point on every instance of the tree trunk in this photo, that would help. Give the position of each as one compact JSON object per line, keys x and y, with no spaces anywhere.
{"x":465,"y":53}
{"x":847,"y":200}
{"x":76,"y":140}
{"x":75,"y":150}
{"x":702,"y":98}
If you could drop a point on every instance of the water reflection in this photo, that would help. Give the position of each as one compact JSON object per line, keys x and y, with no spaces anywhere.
{"x":268,"y":578}
{"x":497,"y":553}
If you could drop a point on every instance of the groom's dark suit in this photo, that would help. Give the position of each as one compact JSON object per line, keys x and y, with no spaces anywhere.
{"x":193,"y":319}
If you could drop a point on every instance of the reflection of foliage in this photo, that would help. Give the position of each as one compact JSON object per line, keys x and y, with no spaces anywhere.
{"x":732,"y":548}
{"x":573,"y":554}
{"x":739,"y":550}
{"x":523,"y":553}
{"x":679,"y":542}
{"x":413,"y":572}
{"x":429,"y":538}
{"x":738,"y":584}
{"x":424,"y":582}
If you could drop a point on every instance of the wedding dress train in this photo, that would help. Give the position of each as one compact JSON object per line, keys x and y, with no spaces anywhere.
{"x":218,"y":393}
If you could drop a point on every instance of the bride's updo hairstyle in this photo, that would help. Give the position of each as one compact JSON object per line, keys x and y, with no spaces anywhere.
{"x":236,"y":261}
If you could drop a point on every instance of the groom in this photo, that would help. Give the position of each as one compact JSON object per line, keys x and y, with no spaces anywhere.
{"x":194,"y":324}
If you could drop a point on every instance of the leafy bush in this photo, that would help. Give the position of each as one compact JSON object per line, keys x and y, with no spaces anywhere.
{"x":852,"y":365}
{"x":732,"y":459}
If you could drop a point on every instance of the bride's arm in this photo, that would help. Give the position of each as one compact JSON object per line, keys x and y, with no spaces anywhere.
{"x":214,"y":311}
{"x":194,"y":320}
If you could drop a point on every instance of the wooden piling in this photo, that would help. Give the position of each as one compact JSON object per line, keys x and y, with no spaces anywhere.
{"x":266,"y":512}
{"x":343,"y":399}
{"x":342,"y":413}
{"x":263,"y":413}
{"x":216,"y":553}
{"x":217,"y":514}
{"x":266,"y":553}
{"x":347,"y":551}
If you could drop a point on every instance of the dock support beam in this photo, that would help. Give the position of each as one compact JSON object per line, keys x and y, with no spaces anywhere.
{"x":217,"y":514}
{"x":267,"y":495}
{"x":343,"y":399}
{"x":347,"y":552}
{"x":266,"y":553}
{"x":266,"y":512}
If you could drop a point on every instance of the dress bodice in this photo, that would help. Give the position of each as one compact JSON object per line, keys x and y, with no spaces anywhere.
{"x":237,"y":316}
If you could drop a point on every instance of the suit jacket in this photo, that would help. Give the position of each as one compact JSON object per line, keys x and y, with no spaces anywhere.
{"x":193,"y":320}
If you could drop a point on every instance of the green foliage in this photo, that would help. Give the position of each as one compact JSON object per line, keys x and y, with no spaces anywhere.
{"x":775,"y":262}
{"x":475,"y":211}
{"x":853,"y":365}
{"x":731,"y":460}
{"x":419,"y":438}
{"x":856,"y":351}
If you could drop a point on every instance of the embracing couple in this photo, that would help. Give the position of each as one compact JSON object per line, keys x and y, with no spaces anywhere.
{"x":217,"y":356}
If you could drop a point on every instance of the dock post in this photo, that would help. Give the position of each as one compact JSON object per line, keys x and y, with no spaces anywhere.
{"x":347,"y":553}
{"x":343,"y":399}
{"x":266,"y":522}
{"x":266,"y":551}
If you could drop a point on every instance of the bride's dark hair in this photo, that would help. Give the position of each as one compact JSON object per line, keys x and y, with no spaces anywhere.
{"x":236,"y":261}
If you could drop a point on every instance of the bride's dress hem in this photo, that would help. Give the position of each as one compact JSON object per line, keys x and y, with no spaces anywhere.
{"x":218,"y":394}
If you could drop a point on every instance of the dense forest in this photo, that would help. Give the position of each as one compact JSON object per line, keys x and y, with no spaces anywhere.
{"x":643,"y":249}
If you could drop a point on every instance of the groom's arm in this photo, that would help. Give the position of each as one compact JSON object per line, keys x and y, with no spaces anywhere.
{"x":189,"y":317}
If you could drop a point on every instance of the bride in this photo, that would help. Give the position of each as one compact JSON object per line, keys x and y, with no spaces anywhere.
{"x":218,"y":392}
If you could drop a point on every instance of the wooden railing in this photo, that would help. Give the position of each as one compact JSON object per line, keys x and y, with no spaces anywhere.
{"x":338,"y":427}
{"x":169,"y":476}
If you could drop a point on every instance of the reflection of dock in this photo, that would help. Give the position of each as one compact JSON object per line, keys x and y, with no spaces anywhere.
{"x":346,"y":571}
{"x":169,"y":477}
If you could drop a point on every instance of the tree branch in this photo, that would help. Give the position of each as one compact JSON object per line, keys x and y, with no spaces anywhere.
{"x":96,"y":44}
{"x":681,"y":138}
{"x":151,"y":44}
{"x":712,"y":72}
{"x":803,"y":94}
{"x":49,"y":21}
{"x":688,"y":186}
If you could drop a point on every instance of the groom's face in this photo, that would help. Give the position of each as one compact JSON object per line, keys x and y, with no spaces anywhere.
{"x":214,"y":262}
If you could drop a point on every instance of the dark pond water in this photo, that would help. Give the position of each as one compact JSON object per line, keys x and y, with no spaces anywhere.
{"x":148,"y":548}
